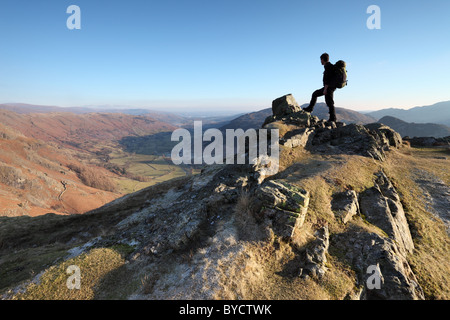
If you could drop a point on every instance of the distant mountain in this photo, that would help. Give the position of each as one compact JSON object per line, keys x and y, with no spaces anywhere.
{"x":251,"y":120}
{"x":256,"y":119}
{"x":173,"y":118}
{"x":436,"y":113}
{"x":343,"y":115}
{"x":24,"y":108}
{"x":416,"y":129}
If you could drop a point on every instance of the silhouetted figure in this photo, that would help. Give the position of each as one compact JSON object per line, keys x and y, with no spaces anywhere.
{"x":329,"y":87}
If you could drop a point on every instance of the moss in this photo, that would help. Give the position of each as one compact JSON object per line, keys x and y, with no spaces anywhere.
{"x":123,"y":248}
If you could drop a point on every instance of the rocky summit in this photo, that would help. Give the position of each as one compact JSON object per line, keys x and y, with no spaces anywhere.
{"x":342,"y":219}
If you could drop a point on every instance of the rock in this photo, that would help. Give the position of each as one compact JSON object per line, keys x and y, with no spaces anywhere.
{"x":284,"y":222}
{"x":316,"y":255}
{"x":297,"y":138}
{"x":382,"y":207}
{"x":286,"y":205}
{"x":264,"y":167}
{"x":351,"y":139}
{"x":345,"y":205}
{"x":396,"y":279}
{"x":428,"y":141}
{"x":393,"y":138}
{"x":301,"y":119}
{"x":285,"y":105}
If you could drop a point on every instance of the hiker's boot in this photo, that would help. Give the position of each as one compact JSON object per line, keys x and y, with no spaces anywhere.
{"x":332,"y":119}
{"x":308,"y":109}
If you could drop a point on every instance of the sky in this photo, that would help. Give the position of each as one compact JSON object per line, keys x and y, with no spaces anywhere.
{"x":216,"y":55}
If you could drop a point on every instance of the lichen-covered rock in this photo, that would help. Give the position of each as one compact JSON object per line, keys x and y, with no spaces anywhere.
{"x":284,"y":204}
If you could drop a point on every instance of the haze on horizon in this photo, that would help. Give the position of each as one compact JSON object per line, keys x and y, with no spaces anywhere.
{"x":230,"y":56}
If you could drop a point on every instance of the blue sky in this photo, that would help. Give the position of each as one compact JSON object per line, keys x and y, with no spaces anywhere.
{"x":222,"y":54}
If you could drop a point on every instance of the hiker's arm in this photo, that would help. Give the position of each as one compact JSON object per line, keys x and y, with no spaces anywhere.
{"x":326,"y":89}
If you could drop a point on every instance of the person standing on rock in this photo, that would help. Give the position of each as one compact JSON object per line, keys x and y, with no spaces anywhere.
{"x":328,"y":89}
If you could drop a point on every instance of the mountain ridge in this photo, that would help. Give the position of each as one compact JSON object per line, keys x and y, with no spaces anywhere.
{"x":437,"y":113}
{"x":416,"y":129}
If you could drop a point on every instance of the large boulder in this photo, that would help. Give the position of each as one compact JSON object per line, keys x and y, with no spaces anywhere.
{"x":285,"y":105}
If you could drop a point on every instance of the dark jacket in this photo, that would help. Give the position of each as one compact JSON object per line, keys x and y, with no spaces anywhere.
{"x":328,"y":75}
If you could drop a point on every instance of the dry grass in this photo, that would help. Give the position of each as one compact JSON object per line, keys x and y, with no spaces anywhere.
{"x":52,"y":285}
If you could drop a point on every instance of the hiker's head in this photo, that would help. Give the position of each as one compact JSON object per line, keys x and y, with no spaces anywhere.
{"x":324,"y":58}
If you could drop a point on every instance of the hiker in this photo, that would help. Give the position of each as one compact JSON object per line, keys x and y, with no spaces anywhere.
{"x":327,"y":90}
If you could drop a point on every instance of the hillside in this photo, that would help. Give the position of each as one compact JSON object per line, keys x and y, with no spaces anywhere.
{"x":37,"y":178}
{"x":254,"y":119}
{"x":437,"y":113}
{"x":349,"y":202}
{"x":79,"y":130}
{"x":416,"y":129}
{"x":93,"y":140}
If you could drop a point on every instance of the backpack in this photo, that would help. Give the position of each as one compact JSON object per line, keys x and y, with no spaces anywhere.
{"x":340,"y":69}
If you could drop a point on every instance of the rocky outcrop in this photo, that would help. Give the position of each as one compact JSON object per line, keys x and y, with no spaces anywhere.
{"x":284,"y":205}
{"x":316,"y":135}
{"x":382,"y":207}
{"x":383,"y":271}
{"x":353,"y":139}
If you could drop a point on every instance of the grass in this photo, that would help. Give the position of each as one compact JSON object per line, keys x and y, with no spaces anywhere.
{"x":94,"y":266}
{"x":155,"y":168}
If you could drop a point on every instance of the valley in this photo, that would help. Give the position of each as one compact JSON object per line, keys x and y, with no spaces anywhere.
{"x":67,"y":163}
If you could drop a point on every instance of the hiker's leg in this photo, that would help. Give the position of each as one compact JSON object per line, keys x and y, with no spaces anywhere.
{"x":315,"y":95}
{"x":329,"y":99}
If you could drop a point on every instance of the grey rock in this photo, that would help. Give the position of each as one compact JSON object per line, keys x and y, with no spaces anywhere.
{"x":382,"y":207}
{"x":298,"y":138}
{"x":285,"y":105}
{"x":397,"y":280}
{"x":345,"y":205}
{"x":394,"y":138}
{"x":316,"y":254}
